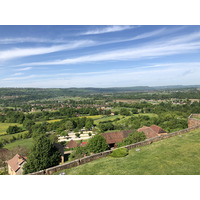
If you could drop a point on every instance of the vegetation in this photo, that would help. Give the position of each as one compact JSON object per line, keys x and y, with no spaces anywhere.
{"x":97,"y":144}
{"x":43,"y":155}
{"x":172,"y":156}
{"x":132,"y":138}
{"x":120,"y":152}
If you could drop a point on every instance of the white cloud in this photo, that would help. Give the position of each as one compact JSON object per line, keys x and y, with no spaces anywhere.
{"x":23,"y":52}
{"x":29,"y":40}
{"x":19,"y":78}
{"x":24,"y":69}
{"x":150,"y":50}
{"x":108,"y":29}
{"x":17,"y":74}
{"x":151,"y":75}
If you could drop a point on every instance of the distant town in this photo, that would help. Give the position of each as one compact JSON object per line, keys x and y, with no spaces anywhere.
{"x":58,"y":128}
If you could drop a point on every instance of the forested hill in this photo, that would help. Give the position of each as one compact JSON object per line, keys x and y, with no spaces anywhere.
{"x":25,"y":94}
{"x":88,"y":90}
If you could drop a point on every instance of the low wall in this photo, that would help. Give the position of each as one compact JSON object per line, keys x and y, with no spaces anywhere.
{"x":87,"y":159}
{"x":192,"y":121}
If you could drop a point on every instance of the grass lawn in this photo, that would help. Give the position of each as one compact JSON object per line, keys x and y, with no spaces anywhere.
{"x":4,"y":126}
{"x":11,"y":135}
{"x":94,"y":116}
{"x":106,"y":118}
{"x":25,"y":142}
{"x":173,"y":156}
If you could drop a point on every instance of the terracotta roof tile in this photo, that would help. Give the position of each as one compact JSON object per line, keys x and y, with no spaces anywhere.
{"x":72,"y":144}
{"x":16,"y":161}
{"x":115,"y":137}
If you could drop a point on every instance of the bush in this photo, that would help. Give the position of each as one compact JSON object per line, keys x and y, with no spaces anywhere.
{"x":97,"y":144}
{"x":13,"y":129}
{"x":79,"y":152}
{"x":121,"y":152}
{"x":132,"y":138}
{"x":89,"y":134}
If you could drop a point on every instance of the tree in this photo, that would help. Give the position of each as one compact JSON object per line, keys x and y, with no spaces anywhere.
{"x":13,"y":129}
{"x":97,"y":144}
{"x":53,"y":138}
{"x":89,"y":124}
{"x":69,"y":125}
{"x":43,"y":155}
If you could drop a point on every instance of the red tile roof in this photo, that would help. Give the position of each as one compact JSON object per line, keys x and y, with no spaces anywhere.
{"x":16,"y":161}
{"x":152,"y":131}
{"x":72,"y":144}
{"x":83,"y":144}
{"x":148,"y":132}
{"x":157,"y":129}
{"x":115,"y":137}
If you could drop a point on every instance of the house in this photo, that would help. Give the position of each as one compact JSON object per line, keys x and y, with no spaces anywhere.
{"x":15,"y":165}
{"x":83,"y":144}
{"x":72,"y":144}
{"x":112,"y":138}
{"x":152,"y":131}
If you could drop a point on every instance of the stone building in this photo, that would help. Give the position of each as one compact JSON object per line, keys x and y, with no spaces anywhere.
{"x":15,"y":165}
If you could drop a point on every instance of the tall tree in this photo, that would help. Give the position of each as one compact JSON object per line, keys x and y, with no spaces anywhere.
{"x":43,"y":155}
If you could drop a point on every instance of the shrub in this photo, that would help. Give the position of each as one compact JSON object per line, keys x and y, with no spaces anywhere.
{"x":132,"y":138}
{"x":90,"y":134}
{"x":77,"y":135}
{"x":13,"y":129}
{"x":121,"y":152}
{"x":97,"y":144}
{"x":79,"y":152}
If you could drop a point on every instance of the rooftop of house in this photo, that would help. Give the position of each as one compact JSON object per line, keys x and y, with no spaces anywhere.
{"x":72,"y":144}
{"x":16,"y":161}
{"x":115,"y":137}
{"x":152,"y":131}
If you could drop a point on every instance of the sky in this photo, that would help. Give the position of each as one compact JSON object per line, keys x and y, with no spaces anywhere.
{"x":99,"y":56}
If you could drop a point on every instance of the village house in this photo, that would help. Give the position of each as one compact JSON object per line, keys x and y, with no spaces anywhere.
{"x":15,"y":165}
{"x":72,"y":144}
{"x":112,"y":138}
{"x":152,"y":131}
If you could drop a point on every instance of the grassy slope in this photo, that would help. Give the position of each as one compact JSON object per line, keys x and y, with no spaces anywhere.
{"x":4,"y":126}
{"x":173,"y":156}
{"x":25,"y":142}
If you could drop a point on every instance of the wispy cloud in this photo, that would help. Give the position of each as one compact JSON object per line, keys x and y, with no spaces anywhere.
{"x":17,"y":74}
{"x":19,"y":78}
{"x":24,"y":69}
{"x":108,"y":29}
{"x":29,"y":40}
{"x":24,"y":52}
{"x":161,"y":73}
{"x":150,"y":50}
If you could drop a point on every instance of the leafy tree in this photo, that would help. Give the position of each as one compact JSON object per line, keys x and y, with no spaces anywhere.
{"x":69,"y":125}
{"x":53,"y":138}
{"x":132,"y":138}
{"x":43,"y":155}
{"x":89,"y":124}
{"x":13,"y":129}
{"x":97,"y":144}
{"x":79,"y":152}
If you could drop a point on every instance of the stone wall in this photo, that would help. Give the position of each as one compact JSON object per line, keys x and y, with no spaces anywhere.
{"x":87,"y":159}
{"x":192,"y":121}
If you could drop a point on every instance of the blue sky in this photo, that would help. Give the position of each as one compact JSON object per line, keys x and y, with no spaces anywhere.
{"x":99,"y":56}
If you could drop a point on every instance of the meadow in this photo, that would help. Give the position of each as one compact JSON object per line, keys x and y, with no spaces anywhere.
{"x":178,"y":155}
{"x":4,"y":126}
{"x":24,"y":143}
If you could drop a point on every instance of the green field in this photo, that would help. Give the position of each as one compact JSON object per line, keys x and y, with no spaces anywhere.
{"x":4,"y":126}
{"x":106,"y":118}
{"x":25,"y":143}
{"x":173,"y":156}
